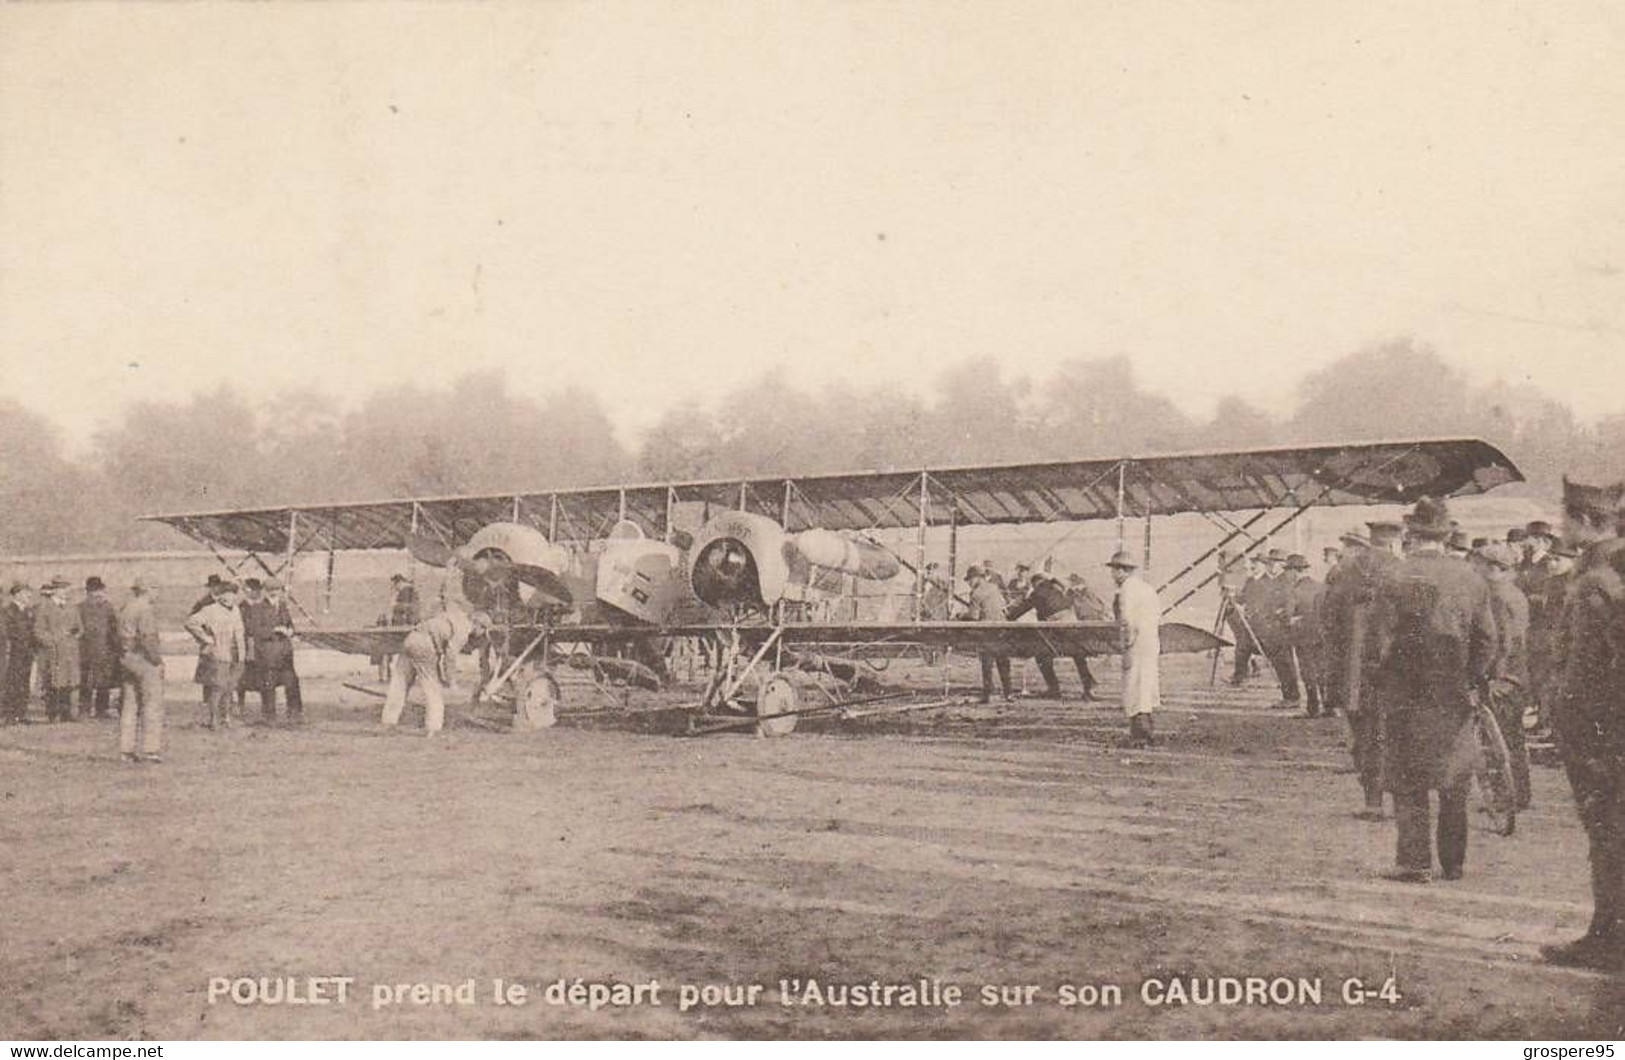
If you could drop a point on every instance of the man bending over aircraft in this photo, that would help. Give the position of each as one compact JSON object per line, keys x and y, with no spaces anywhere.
{"x":428,"y":660}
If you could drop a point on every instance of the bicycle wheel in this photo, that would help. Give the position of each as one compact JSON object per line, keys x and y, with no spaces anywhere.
{"x":1497,"y":798}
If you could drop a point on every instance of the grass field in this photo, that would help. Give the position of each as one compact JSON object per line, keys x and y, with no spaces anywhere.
{"x":1015,"y":847}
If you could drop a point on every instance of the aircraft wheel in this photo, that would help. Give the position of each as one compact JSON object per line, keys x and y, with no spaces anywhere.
{"x":778,"y":697}
{"x":537,"y":705}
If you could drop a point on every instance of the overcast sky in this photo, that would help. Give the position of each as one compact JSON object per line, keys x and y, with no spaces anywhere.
{"x":660,"y":200}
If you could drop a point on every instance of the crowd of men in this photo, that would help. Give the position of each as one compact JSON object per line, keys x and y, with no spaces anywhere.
{"x":89,"y":646}
{"x":1416,"y":628}
{"x":1045,"y":595}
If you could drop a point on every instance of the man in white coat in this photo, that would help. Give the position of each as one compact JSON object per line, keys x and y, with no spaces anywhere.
{"x":1139,"y":618}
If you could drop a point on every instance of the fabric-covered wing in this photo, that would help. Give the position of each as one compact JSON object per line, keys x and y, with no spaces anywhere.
{"x":1057,"y":491}
{"x":1018,"y":639}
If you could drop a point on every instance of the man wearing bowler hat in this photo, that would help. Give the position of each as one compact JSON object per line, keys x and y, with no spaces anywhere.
{"x":98,"y":650}
{"x":1139,"y":622}
{"x":1436,"y":638}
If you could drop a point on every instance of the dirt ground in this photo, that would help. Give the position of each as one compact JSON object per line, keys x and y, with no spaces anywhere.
{"x":1000,"y":847}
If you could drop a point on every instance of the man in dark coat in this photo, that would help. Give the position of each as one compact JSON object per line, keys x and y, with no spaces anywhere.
{"x":1270,"y":625}
{"x":268,"y":632}
{"x":98,"y":651}
{"x":19,"y":636}
{"x":1352,"y":650}
{"x":1303,"y":631}
{"x":1435,"y":629}
{"x":1509,"y":673}
{"x":1588,"y":719}
{"x":1234,"y":577}
{"x":1047,"y":597}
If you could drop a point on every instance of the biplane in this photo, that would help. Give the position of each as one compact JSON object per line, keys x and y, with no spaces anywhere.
{"x":756,"y":567}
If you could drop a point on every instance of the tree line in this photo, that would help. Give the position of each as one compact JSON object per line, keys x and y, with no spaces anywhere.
{"x":222,"y":449}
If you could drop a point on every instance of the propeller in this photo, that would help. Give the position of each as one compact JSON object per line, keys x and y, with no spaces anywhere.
{"x":493,"y":567}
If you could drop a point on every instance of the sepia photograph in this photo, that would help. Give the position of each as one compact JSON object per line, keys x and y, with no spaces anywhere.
{"x":812,"y":520}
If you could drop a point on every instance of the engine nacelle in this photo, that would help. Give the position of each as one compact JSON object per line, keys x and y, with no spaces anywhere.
{"x":508,"y":543}
{"x":740,"y":558}
{"x":748,"y":559}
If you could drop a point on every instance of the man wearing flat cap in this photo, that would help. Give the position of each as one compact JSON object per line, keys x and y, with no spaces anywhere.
{"x":98,"y":651}
{"x":1435,"y":630}
{"x":56,"y":649}
{"x":268,"y":631}
{"x":222,"y":649}
{"x":1139,"y":634}
{"x":18,"y":632}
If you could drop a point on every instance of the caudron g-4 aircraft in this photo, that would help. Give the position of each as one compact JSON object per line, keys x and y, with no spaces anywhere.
{"x":766,"y":571}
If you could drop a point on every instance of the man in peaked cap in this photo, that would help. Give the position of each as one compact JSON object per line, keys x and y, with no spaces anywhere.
{"x":1139,"y":632}
{"x":1436,"y":637}
{"x":1587,"y":716}
{"x":1349,"y":656}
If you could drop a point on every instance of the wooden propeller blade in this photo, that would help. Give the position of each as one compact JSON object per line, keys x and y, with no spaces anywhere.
{"x":428,"y":551}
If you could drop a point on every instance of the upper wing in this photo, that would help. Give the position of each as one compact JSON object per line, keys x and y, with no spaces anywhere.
{"x":1060,"y":491}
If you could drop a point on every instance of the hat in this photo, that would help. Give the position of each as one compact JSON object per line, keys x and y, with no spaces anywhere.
{"x":1517,"y":535}
{"x":1275,"y":555}
{"x":1023,"y":566}
{"x":396,"y":579}
{"x":252,"y":584}
{"x":223,"y":587}
{"x":1296,"y":561}
{"x":1355,"y":539}
{"x":94,"y":584}
{"x":55,"y":585}
{"x":1122,"y":560}
{"x":19,"y":587}
{"x":1480,"y":542}
{"x":1540,"y":528}
{"x":1430,"y":519}
{"x":214,"y":580}
{"x":138,"y":584}
{"x":1457,"y":541}
{"x":1328,"y":549}
{"x":271,"y":585}
{"x":973,"y":571}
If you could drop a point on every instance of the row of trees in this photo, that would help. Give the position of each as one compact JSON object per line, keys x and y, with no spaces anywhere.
{"x":222,"y":450}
